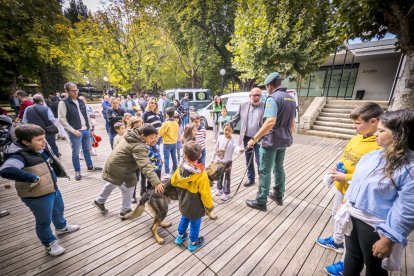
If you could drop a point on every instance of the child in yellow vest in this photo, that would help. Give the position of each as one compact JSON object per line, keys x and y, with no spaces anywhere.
{"x":365,"y":121}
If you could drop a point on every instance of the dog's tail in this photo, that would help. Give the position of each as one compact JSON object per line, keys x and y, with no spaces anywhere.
{"x":140,"y":208}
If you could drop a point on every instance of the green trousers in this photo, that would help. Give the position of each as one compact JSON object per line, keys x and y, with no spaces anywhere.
{"x":271,"y":159}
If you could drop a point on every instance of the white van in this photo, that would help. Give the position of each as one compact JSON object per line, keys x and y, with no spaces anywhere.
{"x":198,"y":98}
{"x":232,"y":102}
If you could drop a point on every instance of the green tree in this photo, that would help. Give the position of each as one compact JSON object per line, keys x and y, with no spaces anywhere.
{"x":291,"y":37}
{"x":375,"y":18}
{"x":31,"y":39}
{"x":76,"y":11}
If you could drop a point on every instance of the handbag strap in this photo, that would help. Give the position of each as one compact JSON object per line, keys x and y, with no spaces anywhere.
{"x":42,"y":116}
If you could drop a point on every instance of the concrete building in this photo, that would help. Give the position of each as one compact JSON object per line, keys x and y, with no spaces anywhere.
{"x":364,"y":70}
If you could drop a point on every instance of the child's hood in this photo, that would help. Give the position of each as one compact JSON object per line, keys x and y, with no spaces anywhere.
{"x":133,"y":136}
{"x":187,"y":170}
{"x":14,"y":148}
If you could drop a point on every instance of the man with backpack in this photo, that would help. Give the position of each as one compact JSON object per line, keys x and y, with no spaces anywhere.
{"x":41,"y":115}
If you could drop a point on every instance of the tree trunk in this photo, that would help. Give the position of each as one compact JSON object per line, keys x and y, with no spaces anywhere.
{"x":193,"y":78}
{"x":404,"y":92}
{"x":245,"y":85}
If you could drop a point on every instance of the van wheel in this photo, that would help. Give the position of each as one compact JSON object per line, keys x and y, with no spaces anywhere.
{"x":204,"y":122}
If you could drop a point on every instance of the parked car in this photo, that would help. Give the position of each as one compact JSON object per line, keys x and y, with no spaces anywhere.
{"x":198,"y":98}
{"x":232,"y":102}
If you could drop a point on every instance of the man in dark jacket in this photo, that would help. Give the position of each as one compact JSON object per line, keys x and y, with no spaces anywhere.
{"x":42,"y":116}
{"x":276,"y":132}
{"x":114,"y":114}
{"x":75,"y":120}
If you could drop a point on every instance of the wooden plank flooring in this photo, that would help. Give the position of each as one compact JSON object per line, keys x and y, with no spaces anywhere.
{"x":243,"y":241}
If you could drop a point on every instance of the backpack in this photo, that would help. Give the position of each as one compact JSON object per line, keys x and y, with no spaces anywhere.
{"x":5,"y":135}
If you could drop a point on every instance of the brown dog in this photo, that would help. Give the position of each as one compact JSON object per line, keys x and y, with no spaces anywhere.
{"x":158,"y":204}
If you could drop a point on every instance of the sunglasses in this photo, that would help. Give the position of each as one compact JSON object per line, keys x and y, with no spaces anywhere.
{"x":255,"y":95}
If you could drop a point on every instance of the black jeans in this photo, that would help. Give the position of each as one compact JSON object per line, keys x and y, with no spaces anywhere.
{"x":359,"y":251}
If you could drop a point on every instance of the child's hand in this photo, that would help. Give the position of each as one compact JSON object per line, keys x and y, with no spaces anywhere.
{"x":338,"y":176}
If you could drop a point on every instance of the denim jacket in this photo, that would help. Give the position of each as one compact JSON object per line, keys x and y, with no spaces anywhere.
{"x":371,"y":192}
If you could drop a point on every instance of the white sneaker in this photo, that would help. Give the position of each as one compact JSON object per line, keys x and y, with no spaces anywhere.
{"x":224,"y":197}
{"x":54,"y":249}
{"x":68,"y":229}
{"x":167,"y":175}
{"x":218,"y":192}
{"x":214,"y":140}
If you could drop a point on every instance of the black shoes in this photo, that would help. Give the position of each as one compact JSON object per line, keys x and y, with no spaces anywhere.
{"x":78,"y":176}
{"x":255,"y":205}
{"x":94,"y":169}
{"x":248,"y":184}
{"x":278,"y":200}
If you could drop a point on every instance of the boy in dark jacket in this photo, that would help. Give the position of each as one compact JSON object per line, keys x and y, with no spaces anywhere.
{"x":194,"y":195}
{"x":31,"y":165}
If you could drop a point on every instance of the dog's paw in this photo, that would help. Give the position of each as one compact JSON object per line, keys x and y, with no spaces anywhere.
{"x":160,"y":241}
{"x":213,"y":216}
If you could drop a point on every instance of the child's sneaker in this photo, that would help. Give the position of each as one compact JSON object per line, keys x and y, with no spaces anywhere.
{"x":68,"y":229}
{"x":167,"y":176}
{"x":224,"y":197}
{"x":180,"y":239}
{"x":219,"y":192}
{"x":335,"y":269}
{"x":193,"y":246}
{"x":330,"y":244}
{"x":54,"y":249}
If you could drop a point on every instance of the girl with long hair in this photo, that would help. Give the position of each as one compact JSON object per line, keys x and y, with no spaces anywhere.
{"x":380,"y":199}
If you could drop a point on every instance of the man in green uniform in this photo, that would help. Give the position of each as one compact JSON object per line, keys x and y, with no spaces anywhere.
{"x":276,"y":132}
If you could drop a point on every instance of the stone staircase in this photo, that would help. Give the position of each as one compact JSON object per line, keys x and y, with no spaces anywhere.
{"x":333,"y":120}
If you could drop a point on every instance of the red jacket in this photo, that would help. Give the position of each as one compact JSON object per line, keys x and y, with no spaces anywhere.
{"x":24,"y":104}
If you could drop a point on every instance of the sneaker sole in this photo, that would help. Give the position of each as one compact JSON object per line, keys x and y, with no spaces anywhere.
{"x":102,"y":212}
{"x":339,"y":251}
{"x":329,"y":272}
{"x":66,"y":232}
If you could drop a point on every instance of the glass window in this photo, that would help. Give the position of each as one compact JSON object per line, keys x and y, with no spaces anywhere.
{"x":182,"y":94}
{"x":201,"y":96}
{"x":171,"y":96}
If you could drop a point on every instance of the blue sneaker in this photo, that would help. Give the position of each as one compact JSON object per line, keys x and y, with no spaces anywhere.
{"x":180,"y":239}
{"x":335,"y":269}
{"x":193,"y":246}
{"x":330,"y":244}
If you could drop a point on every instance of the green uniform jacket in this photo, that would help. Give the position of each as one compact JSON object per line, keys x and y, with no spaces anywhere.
{"x":130,"y":155}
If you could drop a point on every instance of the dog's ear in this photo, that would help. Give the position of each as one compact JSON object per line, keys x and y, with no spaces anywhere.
{"x":227,"y":164}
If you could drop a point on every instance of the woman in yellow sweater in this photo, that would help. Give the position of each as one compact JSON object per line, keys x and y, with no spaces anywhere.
{"x":169,"y":134}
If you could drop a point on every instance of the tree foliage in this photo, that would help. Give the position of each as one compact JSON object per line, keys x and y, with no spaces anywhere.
{"x":76,"y":11}
{"x":31,"y":38}
{"x":375,"y":18}
{"x":291,"y":37}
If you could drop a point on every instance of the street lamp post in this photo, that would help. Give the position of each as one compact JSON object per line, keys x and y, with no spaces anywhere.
{"x":222,"y":73}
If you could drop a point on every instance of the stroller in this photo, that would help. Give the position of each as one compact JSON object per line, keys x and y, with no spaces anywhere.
{"x":5,"y":135}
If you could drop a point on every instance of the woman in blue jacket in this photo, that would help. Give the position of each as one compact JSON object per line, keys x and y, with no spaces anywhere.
{"x":381,"y":196}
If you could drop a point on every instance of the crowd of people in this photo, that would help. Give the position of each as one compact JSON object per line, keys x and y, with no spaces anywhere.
{"x":373,"y":207}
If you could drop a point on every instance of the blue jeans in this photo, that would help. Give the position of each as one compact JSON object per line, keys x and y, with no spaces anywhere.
{"x":111,"y":138}
{"x":271,"y":159}
{"x":194,"y":227}
{"x":77,"y":142}
{"x":46,"y":209}
{"x":107,"y":127}
{"x":170,"y":149}
{"x":51,"y":140}
{"x":184,"y":119}
{"x":248,"y":154}
{"x":202,"y":159}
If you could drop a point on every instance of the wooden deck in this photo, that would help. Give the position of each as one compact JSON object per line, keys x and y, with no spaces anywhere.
{"x":242,"y":241}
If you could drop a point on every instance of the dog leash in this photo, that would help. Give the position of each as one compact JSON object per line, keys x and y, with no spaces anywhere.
{"x":241,"y":181}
